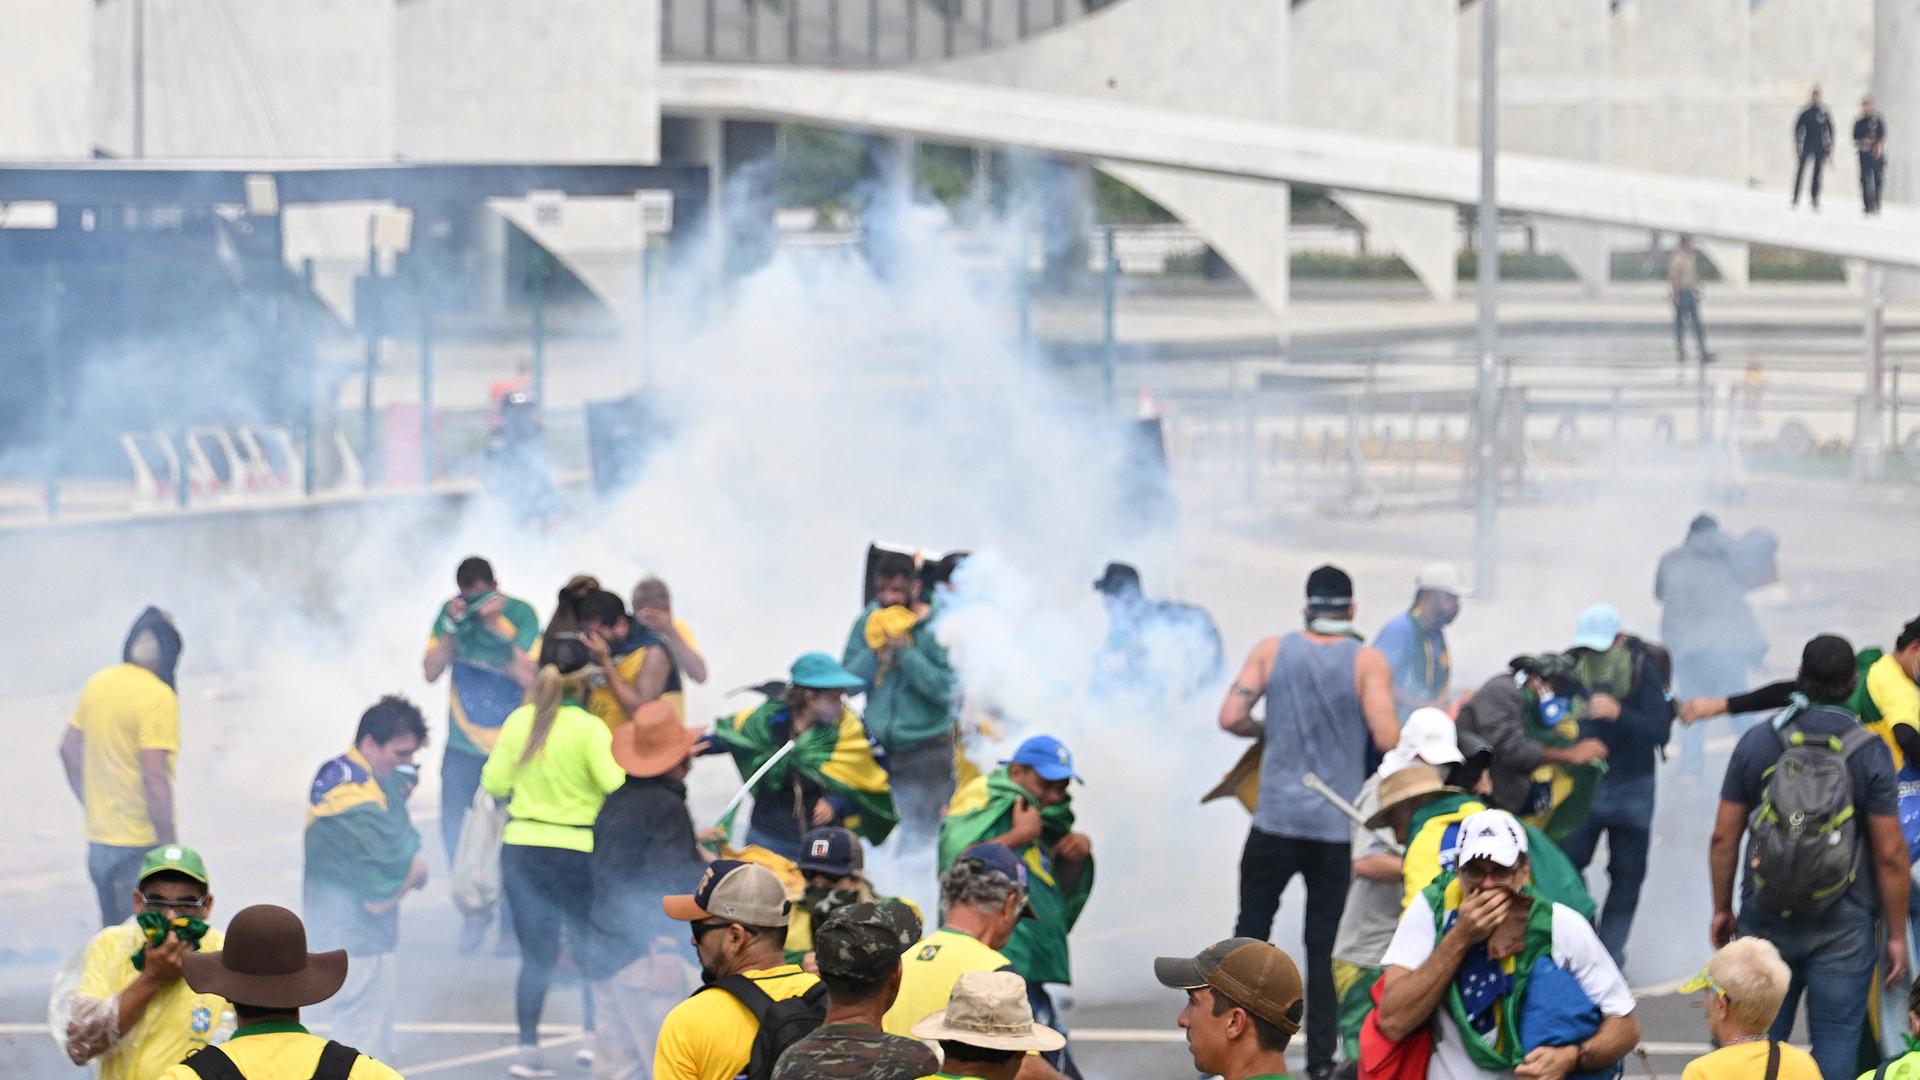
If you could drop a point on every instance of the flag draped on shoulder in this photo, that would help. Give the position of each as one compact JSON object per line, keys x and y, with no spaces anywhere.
{"x":359,"y":839}
{"x":839,"y":758}
{"x":1562,"y":795}
{"x":482,"y":698}
{"x":1486,"y":996}
{"x":1435,"y":841}
{"x":983,"y":809}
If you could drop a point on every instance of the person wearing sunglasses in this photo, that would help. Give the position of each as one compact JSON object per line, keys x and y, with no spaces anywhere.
{"x":1745,"y":983}
{"x":130,"y":1012}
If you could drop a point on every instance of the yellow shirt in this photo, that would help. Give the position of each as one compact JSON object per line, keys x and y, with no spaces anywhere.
{"x":1897,"y":698}
{"x":929,"y":970}
{"x":709,"y":1036}
{"x":177,"y":1021}
{"x":1745,"y":1061}
{"x":601,"y":700}
{"x":281,"y":1051}
{"x":556,"y":795}
{"x":123,"y":710}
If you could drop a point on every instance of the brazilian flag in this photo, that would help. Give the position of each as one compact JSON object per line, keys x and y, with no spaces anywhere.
{"x":360,"y":840}
{"x":982,"y":809}
{"x":838,"y":758}
{"x":1435,"y":838}
{"x":1562,"y":795}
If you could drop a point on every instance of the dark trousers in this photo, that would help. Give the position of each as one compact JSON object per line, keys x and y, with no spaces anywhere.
{"x":921,"y":780}
{"x":1819,"y":160}
{"x":1623,"y":810}
{"x":550,"y":891}
{"x":459,"y":779}
{"x":116,"y":873}
{"x":1686,"y":307}
{"x":1267,"y":864}
{"x":1047,"y":1015}
{"x":1873,"y":176}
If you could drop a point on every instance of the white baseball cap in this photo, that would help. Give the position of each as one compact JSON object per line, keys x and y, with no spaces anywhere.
{"x":1429,"y":735}
{"x":1494,"y":835}
{"x":1439,"y":577}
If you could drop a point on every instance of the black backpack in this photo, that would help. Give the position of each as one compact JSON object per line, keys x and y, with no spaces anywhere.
{"x":211,"y":1063}
{"x":782,"y":1023}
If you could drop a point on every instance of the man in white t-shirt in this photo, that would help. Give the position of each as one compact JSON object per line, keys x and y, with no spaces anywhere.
{"x":1450,"y":971}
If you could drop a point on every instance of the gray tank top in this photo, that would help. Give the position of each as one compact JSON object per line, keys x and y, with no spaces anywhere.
{"x":1314,"y":724}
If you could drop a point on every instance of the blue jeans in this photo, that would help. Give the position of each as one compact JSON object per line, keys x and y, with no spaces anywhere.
{"x":1046,"y":1014}
{"x":1623,"y":809}
{"x":116,"y":873}
{"x":1831,"y":956}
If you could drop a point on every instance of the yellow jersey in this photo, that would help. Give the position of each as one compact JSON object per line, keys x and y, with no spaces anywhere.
{"x":279,"y":1050}
{"x":929,"y":970}
{"x":1744,"y":1061}
{"x":177,"y":1022}
{"x":123,"y":710}
{"x":1898,"y":699}
{"x":709,"y":1036}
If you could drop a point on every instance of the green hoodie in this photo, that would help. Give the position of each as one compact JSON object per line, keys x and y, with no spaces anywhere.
{"x":911,"y":702}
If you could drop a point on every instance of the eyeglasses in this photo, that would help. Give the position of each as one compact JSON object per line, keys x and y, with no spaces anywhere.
{"x":701,"y":930}
{"x":161,"y":903}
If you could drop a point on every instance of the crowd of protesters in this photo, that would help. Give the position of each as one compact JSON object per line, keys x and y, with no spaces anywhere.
{"x":1441,"y":839}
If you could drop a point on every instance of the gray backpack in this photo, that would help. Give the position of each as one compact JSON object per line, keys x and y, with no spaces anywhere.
{"x":1803,"y":845}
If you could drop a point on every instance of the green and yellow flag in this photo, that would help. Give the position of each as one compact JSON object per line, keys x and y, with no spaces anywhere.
{"x":839,"y":758}
{"x":983,"y":809}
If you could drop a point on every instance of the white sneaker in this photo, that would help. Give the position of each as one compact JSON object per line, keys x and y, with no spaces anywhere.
{"x":584,"y":1057}
{"x":530,"y":1064}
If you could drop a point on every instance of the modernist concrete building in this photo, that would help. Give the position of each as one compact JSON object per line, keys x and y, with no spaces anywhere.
{"x":1698,"y":89}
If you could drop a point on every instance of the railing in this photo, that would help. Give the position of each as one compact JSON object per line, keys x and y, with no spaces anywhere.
{"x":853,"y":33}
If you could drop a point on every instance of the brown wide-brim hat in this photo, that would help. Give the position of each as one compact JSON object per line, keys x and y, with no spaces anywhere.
{"x":266,"y":963}
{"x":1415,"y":783}
{"x":653,"y":742}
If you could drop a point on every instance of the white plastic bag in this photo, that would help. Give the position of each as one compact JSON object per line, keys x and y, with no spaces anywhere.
{"x":476,"y":858}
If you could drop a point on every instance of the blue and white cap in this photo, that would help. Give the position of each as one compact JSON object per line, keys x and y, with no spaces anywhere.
{"x":1046,"y":756}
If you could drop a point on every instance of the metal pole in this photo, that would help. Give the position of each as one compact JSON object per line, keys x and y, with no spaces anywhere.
{"x":1110,"y":286}
{"x":540,"y":331}
{"x":371,"y":322}
{"x":647,"y":270}
{"x":426,"y":392}
{"x":308,"y":334}
{"x":139,"y":78}
{"x":1868,"y":456}
{"x":1487,"y":487}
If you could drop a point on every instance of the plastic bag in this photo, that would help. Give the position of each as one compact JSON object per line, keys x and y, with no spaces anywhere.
{"x":94,"y":1023}
{"x":476,"y":858}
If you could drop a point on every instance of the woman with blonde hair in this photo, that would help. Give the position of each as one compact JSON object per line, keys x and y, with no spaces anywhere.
{"x":554,"y":762}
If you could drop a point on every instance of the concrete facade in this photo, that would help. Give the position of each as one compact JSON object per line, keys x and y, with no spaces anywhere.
{"x":268,"y":78}
{"x":45,"y":81}
{"x":1384,"y":67}
{"x":1156,"y":53}
{"x":558,"y":81}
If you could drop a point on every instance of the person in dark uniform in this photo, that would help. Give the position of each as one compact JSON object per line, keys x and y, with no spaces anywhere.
{"x":1870,"y":139}
{"x":1812,"y":141}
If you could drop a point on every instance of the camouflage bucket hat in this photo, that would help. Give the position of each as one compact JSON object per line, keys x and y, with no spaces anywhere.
{"x":862,"y":942}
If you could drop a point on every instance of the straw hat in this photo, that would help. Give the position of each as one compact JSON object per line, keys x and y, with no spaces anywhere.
{"x":989,"y":1009}
{"x":1410,"y":784}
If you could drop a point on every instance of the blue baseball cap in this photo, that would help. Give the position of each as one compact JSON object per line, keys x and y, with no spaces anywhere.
{"x":818,"y":671}
{"x":1047,"y":756}
{"x":1000,"y":859}
{"x":1597,"y":628}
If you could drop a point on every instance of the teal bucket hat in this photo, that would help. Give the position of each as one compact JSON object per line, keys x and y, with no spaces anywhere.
{"x":818,"y":671}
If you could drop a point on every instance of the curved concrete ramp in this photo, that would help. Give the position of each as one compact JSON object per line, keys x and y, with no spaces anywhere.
{"x":951,"y":111}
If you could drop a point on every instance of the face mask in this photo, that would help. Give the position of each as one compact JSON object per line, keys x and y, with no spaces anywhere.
{"x":1552,"y":708}
{"x":825,"y":901}
{"x":1325,"y":625}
